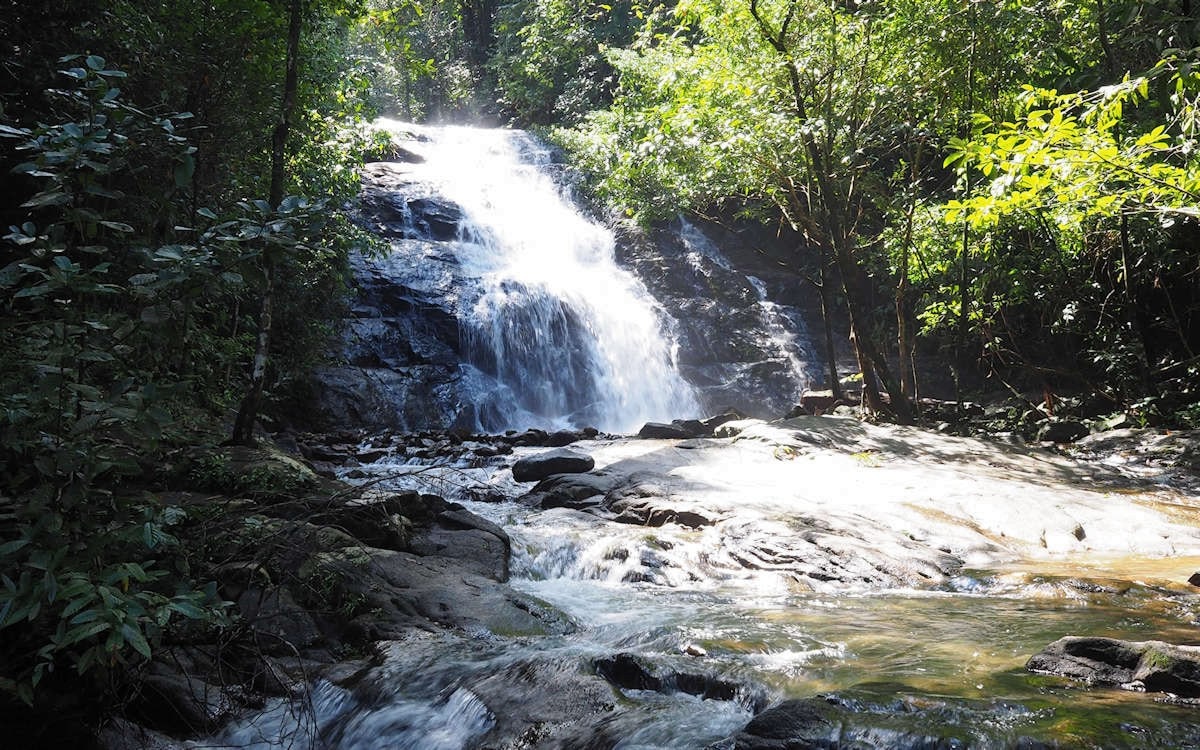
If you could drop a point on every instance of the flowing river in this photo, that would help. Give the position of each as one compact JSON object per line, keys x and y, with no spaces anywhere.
{"x":940,"y":666}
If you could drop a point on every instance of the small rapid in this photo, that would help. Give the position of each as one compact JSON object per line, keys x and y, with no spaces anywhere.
{"x":692,"y":641}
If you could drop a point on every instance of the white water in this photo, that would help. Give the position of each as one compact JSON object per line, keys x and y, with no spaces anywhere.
{"x":948,"y":658}
{"x":779,"y":332}
{"x":569,"y":336}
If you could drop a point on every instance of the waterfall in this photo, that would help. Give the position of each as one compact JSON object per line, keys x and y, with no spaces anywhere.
{"x":557,"y":332}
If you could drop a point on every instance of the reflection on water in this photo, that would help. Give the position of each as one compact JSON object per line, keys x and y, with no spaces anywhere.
{"x":949,"y":662}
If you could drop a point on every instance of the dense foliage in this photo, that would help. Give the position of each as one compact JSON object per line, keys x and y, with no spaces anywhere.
{"x":141,"y":232}
{"x":929,"y":148}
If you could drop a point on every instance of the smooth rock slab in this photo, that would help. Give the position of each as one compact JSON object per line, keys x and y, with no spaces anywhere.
{"x":561,"y":461}
{"x":830,"y":724}
{"x":1152,"y":666}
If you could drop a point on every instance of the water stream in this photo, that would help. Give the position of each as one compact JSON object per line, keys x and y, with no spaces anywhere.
{"x":912,"y":663}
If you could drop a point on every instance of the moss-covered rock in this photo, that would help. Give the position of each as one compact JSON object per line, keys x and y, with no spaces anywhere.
{"x":1152,"y":666}
{"x":264,"y":473}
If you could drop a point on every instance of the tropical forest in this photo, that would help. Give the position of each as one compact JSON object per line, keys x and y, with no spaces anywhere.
{"x":639,"y":375}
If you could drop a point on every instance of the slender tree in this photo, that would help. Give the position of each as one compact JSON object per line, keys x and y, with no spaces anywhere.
{"x":243,"y":426}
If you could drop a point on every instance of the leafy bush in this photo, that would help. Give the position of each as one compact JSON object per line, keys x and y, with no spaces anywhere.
{"x":95,"y":315}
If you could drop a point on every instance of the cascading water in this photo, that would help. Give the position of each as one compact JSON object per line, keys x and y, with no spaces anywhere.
{"x":561,"y":333}
{"x":782,"y":335}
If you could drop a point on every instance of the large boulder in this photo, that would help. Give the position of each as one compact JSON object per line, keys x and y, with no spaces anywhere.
{"x":1152,"y":666}
{"x":386,"y":593}
{"x":578,"y":491}
{"x":561,"y":461}
{"x":631,"y":672}
{"x":680,"y":429}
{"x":546,"y":703}
{"x":1062,"y":431}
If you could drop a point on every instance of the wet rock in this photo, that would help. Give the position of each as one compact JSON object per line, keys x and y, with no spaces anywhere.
{"x":180,"y":703}
{"x":673,"y":431}
{"x":481,"y":546}
{"x":371,"y":455}
{"x":830,"y":723}
{"x":1152,"y":666}
{"x":563,"y":437}
{"x":435,"y":219}
{"x":547,"y":704}
{"x":715,"y":421}
{"x":629,"y":672}
{"x":389,"y":592}
{"x":281,"y":625}
{"x":1062,"y":431}
{"x":572,"y":490}
{"x":529,"y":438}
{"x":807,"y":723}
{"x":647,"y":499}
{"x":333,"y":454}
{"x":560,"y":461}
{"x":1194,"y":580}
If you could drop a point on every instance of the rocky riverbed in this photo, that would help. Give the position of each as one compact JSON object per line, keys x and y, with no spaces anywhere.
{"x":435,"y":601}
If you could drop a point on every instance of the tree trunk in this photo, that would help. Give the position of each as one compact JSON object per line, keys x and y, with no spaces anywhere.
{"x":243,"y":426}
{"x":832,"y":205}
{"x":835,"y":385}
{"x":872,"y":363}
{"x":477,"y":19}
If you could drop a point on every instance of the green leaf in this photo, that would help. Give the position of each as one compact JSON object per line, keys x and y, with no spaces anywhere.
{"x":184,"y":170}
{"x":75,"y":604}
{"x":96,"y":355}
{"x":86,"y":659}
{"x":11,"y":547}
{"x":40,"y":290}
{"x":133,"y":636}
{"x":85,"y":616}
{"x":187,"y":608}
{"x":95,"y":62}
{"x":75,"y":635}
{"x":47,"y":198}
{"x":117,"y":226}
